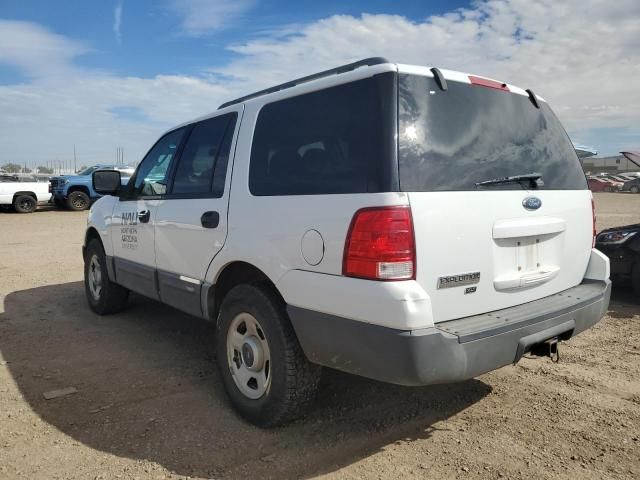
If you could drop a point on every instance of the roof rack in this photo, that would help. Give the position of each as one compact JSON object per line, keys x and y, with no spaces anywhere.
{"x":439,"y":78}
{"x":533,"y":98}
{"x":367,"y":62}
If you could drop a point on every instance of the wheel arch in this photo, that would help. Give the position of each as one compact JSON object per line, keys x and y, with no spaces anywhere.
{"x":230,"y":275}
{"x":93,"y":234}
{"x":25,"y":192}
{"x":79,"y":188}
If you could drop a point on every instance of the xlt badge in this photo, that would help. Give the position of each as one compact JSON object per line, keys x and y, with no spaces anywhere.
{"x":458,"y":280}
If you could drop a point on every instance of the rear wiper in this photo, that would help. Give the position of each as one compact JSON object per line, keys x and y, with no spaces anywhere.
{"x":532,"y":178}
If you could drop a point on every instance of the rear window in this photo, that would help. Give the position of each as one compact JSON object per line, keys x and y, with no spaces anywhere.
{"x":450,"y":140}
{"x":331,"y":141}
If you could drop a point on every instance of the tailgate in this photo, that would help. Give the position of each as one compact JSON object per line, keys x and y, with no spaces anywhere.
{"x":482,"y":251}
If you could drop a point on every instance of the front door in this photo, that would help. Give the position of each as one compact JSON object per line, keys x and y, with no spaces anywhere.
{"x":191,"y":223}
{"x":134,"y":217}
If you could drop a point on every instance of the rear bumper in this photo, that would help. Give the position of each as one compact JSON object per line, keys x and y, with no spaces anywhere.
{"x":450,"y":351}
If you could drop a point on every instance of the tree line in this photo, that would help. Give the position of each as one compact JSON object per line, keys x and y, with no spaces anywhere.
{"x":16,"y":168}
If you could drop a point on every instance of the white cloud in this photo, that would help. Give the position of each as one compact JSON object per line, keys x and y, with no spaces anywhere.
{"x":43,"y":121}
{"x":64,"y":104}
{"x":37,"y":52}
{"x":117,"y":21}
{"x":200,"y":17}
{"x":583,"y":56}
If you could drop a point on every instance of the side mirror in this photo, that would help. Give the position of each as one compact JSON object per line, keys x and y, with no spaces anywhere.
{"x":106,"y":182}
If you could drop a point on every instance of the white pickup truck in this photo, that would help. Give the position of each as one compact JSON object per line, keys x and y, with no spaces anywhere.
{"x":23,"y":196}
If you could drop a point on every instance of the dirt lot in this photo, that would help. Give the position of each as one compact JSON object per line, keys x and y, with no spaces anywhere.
{"x":151,"y":405}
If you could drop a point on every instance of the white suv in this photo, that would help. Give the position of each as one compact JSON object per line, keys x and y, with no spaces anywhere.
{"x":406,"y":224}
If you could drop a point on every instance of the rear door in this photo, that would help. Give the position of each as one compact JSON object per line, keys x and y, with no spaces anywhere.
{"x":135,"y":216}
{"x":486,"y":247}
{"x":191,"y":223}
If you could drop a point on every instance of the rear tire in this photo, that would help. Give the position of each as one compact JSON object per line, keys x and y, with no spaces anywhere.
{"x":25,"y":204}
{"x":103,"y":295}
{"x":634,"y":189}
{"x":78,"y":201}
{"x":265,"y":373}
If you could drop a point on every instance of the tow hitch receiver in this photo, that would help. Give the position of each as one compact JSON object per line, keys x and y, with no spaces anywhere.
{"x":545,"y":342}
{"x":548,"y":348}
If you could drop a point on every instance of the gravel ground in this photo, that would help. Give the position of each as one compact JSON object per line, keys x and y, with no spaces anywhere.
{"x":149,"y":403}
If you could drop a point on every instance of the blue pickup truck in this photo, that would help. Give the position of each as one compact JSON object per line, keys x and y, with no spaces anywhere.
{"x":76,"y":191}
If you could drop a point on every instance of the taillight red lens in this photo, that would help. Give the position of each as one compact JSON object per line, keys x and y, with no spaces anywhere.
{"x":380,"y":245}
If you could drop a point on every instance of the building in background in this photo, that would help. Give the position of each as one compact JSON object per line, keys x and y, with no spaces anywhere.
{"x":627,"y":162}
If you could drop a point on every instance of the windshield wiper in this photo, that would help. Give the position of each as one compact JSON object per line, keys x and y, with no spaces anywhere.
{"x":532,"y":178}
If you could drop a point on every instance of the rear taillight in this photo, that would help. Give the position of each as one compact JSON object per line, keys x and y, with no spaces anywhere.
{"x":380,"y":245}
{"x":593,"y":223}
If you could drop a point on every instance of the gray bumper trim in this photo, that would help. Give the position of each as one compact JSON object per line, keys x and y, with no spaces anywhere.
{"x":479,"y":326}
{"x":435,"y":355}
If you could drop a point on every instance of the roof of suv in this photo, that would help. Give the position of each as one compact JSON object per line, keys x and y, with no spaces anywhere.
{"x":361,"y":69}
{"x":369,"y":62}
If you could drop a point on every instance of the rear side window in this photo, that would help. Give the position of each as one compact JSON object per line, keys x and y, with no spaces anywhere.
{"x":330,"y":141}
{"x":450,"y":140}
{"x":205,"y":153}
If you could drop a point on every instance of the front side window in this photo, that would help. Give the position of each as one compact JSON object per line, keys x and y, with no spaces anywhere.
{"x":151,"y":177}
{"x":204,"y":157}
{"x":324,"y":142}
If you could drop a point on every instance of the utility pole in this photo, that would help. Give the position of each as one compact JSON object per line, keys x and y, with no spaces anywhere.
{"x":120,"y":155}
{"x":75,"y":161}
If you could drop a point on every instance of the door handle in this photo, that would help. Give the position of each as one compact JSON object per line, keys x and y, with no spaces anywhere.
{"x":210,"y":219}
{"x":144,"y":216}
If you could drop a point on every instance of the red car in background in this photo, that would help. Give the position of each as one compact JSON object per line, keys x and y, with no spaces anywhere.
{"x":600,"y":184}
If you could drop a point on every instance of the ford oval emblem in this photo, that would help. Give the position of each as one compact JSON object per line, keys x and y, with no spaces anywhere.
{"x":532,"y":203}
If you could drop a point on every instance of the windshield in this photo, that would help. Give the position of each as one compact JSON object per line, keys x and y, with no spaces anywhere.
{"x":450,"y":140}
{"x":88,"y":170}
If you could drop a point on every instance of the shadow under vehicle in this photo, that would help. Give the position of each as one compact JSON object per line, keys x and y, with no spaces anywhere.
{"x":147,"y":391}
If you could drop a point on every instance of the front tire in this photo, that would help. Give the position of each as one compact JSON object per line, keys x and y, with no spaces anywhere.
{"x":78,"y":201}
{"x":25,"y":204}
{"x":103,"y":295}
{"x":265,"y":373}
{"x":634,"y":189}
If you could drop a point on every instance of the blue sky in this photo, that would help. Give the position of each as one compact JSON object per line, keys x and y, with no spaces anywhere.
{"x":109,"y":74}
{"x":152,"y":41}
